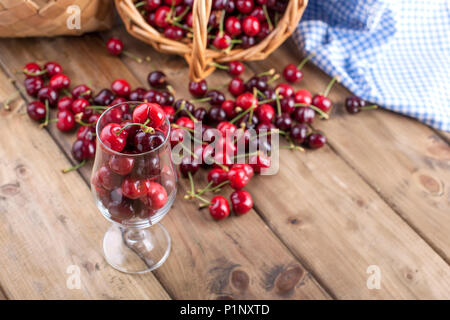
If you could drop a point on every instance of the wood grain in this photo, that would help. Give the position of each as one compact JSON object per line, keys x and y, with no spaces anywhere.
{"x":331,"y":219}
{"x":239,"y":258}
{"x":406,"y":162}
{"x":48,"y":221}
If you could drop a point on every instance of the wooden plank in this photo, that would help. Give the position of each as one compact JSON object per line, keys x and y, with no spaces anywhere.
{"x":330,"y":218}
{"x":50,"y":228}
{"x":239,"y":258}
{"x":406,"y":162}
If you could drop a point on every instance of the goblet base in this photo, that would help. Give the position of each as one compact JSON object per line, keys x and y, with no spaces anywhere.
{"x":132,"y":250}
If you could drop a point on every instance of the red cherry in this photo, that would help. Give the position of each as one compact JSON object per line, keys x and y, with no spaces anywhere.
{"x":49,"y":94}
{"x":229,"y":107}
{"x":134,"y":188}
{"x":83,"y":150}
{"x":217,"y":176}
{"x":233,"y":26}
{"x":65,"y":103}
{"x":66,"y":121}
{"x":219,"y":208}
{"x":149,"y":111}
{"x":241,"y":201}
{"x":303,"y":96}
{"x":226,"y":128}
{"x":32,"y":69}
{"x":246,"y":167}
{"x":222,"y":40}
{"x":251,"y":26}
{"x":86,"y":133}
{"x":292,"y":73}
{"x":82,"y":91}
{"x":174,"y":32}
{"x":322,"y":102}
{"x":36,"y":110}
{"x":114,"y":46}
{"x":176,"y":136}
{"x":246,"y":100}
{"x":170,"y":112}
{"x":244,"y":6}
{"x":236,"y":86}
{"x":299,"y":133}
{"x":79,"y":105}
{"x":265,"y":113}
{"x":156,"y":195}
{"x":33,"y":85}
{"x":151,"y":5}
{"x":236,"y":68}
{"x":316,"y":140}
{"x":304,"y":114}
{"x":105,"y":178}
{"x":285,"y":90}
{"x":110,"y":137}
{"x":53,"y":68}
{"x":161,"y":16}
{"x":185,"y":122}
{"x":121,"y":165}
{"x":238,"y":178}
{"x":59,"y":81}
{"x":259,"y":162}
{"x":121,"y":87}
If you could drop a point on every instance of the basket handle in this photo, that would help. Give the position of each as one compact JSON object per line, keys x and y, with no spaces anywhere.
{"x":199,"y":65}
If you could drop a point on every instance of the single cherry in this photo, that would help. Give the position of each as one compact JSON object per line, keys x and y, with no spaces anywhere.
{"x":114,"y":46}
{"x":53,"y":68}
{"x":33,"y":85}
{"x":59,"y":81}
{"x":156,"y":195}
{"x":189,"y":165}
{"x":134,"y":188}
{"x":36,"y":110}
{"x":299,"y":132}
{"x":121,"y":87}
{"x":316,"y":140}
{"x":157,"y":79}
{"x":304,"y":114}
{"x":150,"y":113}
{"x":219,"y":208}
{"x":241,"y":201}
{"x":113,"y":138}
{"x":66,"y":120}
{"x":217,"y":176}
{"x":265,"y":113}
{"x":121,"y":165}
{"x":238,"y":178}
{"x":198,"y":89}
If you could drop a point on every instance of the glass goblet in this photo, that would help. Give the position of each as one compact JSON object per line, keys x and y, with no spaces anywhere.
{"x":134,"y":190}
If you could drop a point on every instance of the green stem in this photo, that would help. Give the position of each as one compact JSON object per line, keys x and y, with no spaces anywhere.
{"x":205,"y":99}
{"x":78,"y":166}
{"x":181,"y":16}
{"x":239,"y":116}
{"x":132,"y":56}
{"x":47,"y":114}
{"x":140,"y":4}
{"x":274,"y":78}
{"x":266,"y":13}
{"x":319,"y":111}
{"x":219,"y":66}
{"x":40,"y":73}
{"x":304,"y":61}
{"x":371,"y":107}
{"x":327,"y":90}
{"x":270,"y":72}
{"x":277,"y":99}
{"x":191,"y":181}
{"x":205,"y":189}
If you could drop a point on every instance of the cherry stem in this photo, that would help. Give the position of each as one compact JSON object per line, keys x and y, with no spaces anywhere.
{"x":239,"y":116}
{"x":85,"y":124}
{"x":189,"y":151}
{"x":181,"y":127}
{"x":220,"y":66}
{"x":234,"y":41}
{"x":219,"y":186}
{"x":274,"y":78}
{"x":318,"y":110}
{"x":66,"y":92}
{"x":36,"y":74}
{"x":270,"y":72}
{"x":87,"y":92}
{"x":181,"y":16}
{"x":183,"y":107}
{"x":305,"y":60}
{"x":132,"y":56}
{"x":277,"y":99}
{"x":205,"y":189}
{"x":170,"y":89}
{"x":205,"y":99}
{"x":371,"y":107}
{"x":218,"y":87}
{"x":97,"y":107}
{"x":143,"y":126}
{"x":10,"y":99}
{"x":140,"y":4}
{"x":47,"y":114}
{"x":327,"y":90}
{"x":250,"y":116}
{"x":191,"y":181}
{"x":222,"y":18}
{"x":266,"y":13}
{"x":258,"y":92}
{"x":78,"y":166}
{"x":293,"y":147}
{"x":176,"y":23}
{"x":222,"y":166}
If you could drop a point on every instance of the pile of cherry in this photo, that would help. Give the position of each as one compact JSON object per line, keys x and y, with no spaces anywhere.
{"x":257,"y":105}
{"x":232,"y":22}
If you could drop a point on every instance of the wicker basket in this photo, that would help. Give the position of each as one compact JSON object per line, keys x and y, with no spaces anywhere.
{"x":30,"y":18}
{"x":196,"y":54}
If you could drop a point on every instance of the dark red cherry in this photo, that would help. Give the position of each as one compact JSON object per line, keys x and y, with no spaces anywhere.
{"x":65,"y":103}
{"x":36,"y":110}
{"x":244,"y":6}
{"x":287,"y":105}
{"x":217,"y":114}
{"x":83,"y":150}
{"x":137,"y":94}
{"x":103,"y":98}
{"x":247,"y":41}
{"x":236,"y":86}
{"x":251,"y":26}
{"x":148,"y":141}
{"x":229,"y":107}
{"x":236,"y":68}
{"x":32,"y":69}
{"x":33,"y":85}
{"x":316,"y":140}
{"x":283,"y":122}
{"x":304,"y":114}
{"x":299,"y":132}
{"x":353,"y":104}
{"x":200,"y":114}
{"x":86,"y":133}
{"x":217,"y":176}
{"x":153,"y":95}
{"x":198,"y":89}
{"x":174,"y":32}
{"x":49,"y":94}
{"x":157,"y":79}
{"x":82,"y":91}
{"x":189,"y":165}
{"x":292,"y":73}
{"x":79,"y":105}
{"x":216,"y":97}
{"x":241,"y":202}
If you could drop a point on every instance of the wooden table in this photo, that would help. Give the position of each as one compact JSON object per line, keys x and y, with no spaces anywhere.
{"x":377,"y":195}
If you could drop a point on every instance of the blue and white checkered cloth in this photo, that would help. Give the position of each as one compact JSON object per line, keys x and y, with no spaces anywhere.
{"x":395,"y":53}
